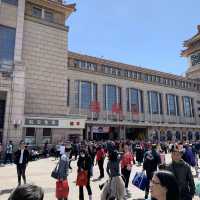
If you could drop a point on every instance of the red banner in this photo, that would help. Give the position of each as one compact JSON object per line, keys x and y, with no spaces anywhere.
{"x":95,"y":106}
{"x":116,"y":108}
{"x":135,"y":109}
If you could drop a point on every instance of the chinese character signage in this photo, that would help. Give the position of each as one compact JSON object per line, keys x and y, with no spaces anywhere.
{"x":41,"y":122}
{"x":73,"y":123}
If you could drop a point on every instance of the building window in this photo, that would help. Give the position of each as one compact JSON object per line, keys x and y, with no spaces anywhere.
{"x":13,"y":2}
{"x":139,"y":75}
{"x":85,"y":93}
{"x":47,"y":135}
{"x":145,"y":77}
{"x":178,"y":135}
{"x":48,"y":16}
{"x":125,"y":73}
{"x":30,"y":136}
{"x":188,"y":106}
{"x":134,"y":100}
{"x":7,"y":45}
{"x":37,"y":12}
{"x":155,"y":102}
{"x":197,"y":136}
{"x":111,"y":96}
{"x":172,"y":104}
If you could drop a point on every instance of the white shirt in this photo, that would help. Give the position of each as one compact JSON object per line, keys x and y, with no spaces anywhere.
{"x":21,"y":156}
{"x":62,"y":149}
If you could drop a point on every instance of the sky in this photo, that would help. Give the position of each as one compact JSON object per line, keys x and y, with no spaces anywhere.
{"x":146,"y":33}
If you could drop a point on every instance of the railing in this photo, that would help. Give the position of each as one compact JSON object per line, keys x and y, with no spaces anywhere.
{"x":130,"y":117}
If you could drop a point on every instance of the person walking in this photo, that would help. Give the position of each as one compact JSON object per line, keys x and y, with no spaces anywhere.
{"x":63,"y":169}
{"x":114,"y":188}
{"x":183,"y":174}
{"x":127,"y":161}
{"x":150,"y":165}
{"x":164,"y":186}
{"x":84,"y":164}
{"x":21,"y":160}
{"x":9,"y":152}
{"x":100,"y":157}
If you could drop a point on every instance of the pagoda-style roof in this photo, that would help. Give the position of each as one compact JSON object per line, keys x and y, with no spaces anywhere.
{"x":190,"y":44}
{"x":66,"y":9}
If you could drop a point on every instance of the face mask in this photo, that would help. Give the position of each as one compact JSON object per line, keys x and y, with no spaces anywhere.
{"x":82,"y":155}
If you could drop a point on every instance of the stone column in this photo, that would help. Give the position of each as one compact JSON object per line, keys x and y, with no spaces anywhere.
{"x":17,"y":92}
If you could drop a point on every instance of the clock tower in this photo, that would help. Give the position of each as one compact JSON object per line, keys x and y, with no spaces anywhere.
{"x":192,"y":52}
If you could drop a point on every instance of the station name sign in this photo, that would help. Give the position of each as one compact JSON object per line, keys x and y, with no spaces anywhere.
{"x":41,"y":122}
{"x":72,"y":123}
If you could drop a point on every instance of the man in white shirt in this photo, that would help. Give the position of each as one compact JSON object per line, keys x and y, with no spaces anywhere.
{"x":62,"y":149}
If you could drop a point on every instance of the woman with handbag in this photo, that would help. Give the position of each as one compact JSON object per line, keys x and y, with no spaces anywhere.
{"x":62,"y":188}
{"x":127,"y":161}
{"x":114,"y":187}
{"x":83,"y":178}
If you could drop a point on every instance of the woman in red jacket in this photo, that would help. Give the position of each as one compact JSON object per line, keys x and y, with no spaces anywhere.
{"x":100,"y":156}
{"x":127,"y":161}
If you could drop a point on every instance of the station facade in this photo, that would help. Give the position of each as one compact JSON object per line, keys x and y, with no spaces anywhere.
{"x":48,"y":93}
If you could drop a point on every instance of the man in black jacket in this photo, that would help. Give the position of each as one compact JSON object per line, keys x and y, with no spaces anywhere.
{"x":150,"y":165}
{"x":183,"y":174}
{"x":21,"y":160}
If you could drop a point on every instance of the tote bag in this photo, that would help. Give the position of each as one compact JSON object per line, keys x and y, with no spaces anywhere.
{"x":140,"y":180}
{"x":82,"y":178}
{"x":54,"y":173}
{"x":62,"y":189}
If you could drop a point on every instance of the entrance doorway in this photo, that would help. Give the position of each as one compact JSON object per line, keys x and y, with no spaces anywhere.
{"x":136,"y":133}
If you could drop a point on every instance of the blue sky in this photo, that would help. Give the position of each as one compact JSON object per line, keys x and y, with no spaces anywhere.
{"x":146,"y":33}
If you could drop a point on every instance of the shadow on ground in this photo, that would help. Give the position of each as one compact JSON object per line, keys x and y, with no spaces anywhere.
{"x":6,"y":191}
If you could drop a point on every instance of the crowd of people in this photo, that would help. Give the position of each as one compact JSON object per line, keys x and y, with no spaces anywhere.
{"x":172,"y":181}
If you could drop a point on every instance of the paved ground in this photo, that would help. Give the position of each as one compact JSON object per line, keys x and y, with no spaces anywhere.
{"x":38,"y":172}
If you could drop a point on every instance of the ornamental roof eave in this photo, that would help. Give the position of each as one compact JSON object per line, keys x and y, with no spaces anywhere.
{"x":66,"y":9}
{"x":75,"y":55}
{"x":189,"y":42}
{"x":188,"y":51}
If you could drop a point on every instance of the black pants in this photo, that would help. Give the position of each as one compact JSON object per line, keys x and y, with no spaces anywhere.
{"x":81,"y":195}
{"x":21,"y":170}
{"x":8,"y":156}
{"x":126,"y":175}
{"x":101,"y":169}
{"x":149,"y":177}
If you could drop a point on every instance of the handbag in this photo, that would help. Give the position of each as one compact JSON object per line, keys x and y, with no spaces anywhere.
{"x":54,"y":173}
{"x":82,"y":178}
{"x":62,"y":189}
{"x":140,"y":180}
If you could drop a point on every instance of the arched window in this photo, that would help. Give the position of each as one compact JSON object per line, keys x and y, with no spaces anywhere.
{"x":197,"y":136}
{"x":190,"y":135}
{"x":178,"y":135}
{"x":169,"y":135}
{"x":155,"y":135}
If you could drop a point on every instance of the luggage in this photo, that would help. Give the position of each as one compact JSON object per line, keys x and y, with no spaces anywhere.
{"x":82,"y":178}
{"x":62,"y":189}
{"x":140,"y":180}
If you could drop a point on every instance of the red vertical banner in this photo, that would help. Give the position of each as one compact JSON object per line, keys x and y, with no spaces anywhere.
{"x":95,"y":106}
{"x":134,"y":109}
{"x":116,"y":108}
